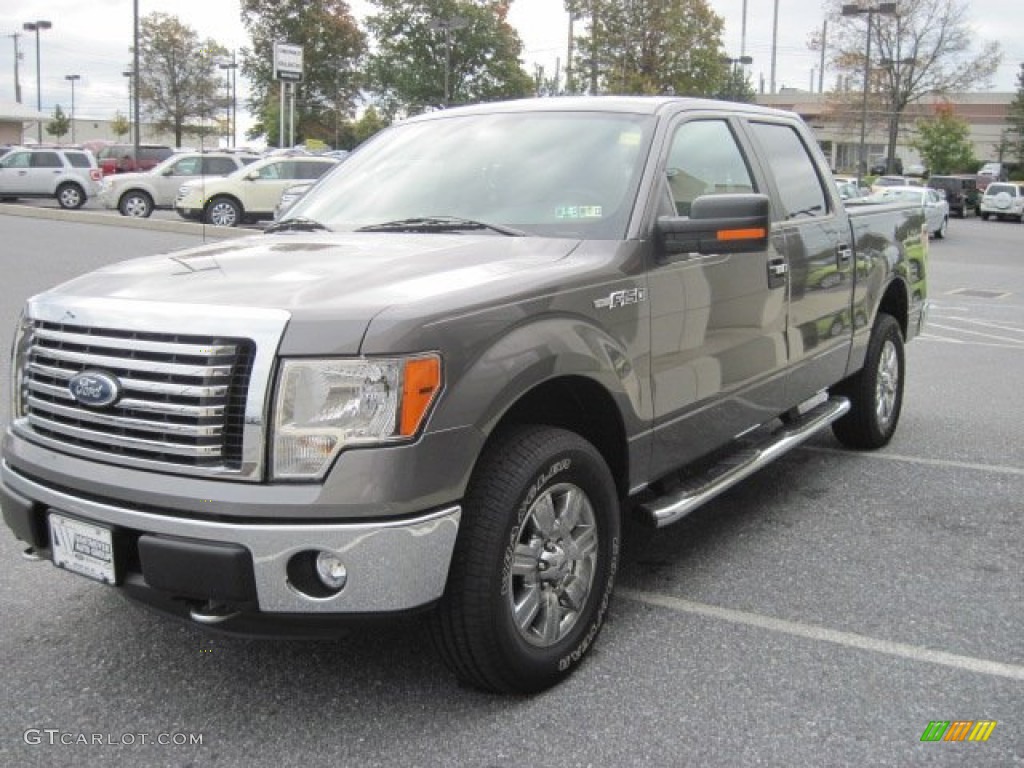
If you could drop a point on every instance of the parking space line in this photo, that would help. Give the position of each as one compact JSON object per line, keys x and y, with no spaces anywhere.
{"x":823,"y":634}
{"x":984,"y":335}
{"x":948,"y":464}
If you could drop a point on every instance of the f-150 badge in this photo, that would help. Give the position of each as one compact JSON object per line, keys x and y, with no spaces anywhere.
{"x":617,"y":299}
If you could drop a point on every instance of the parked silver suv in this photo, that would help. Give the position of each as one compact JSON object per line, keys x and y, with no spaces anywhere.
{"x":138,"y":194}
{"x":69,"y":175}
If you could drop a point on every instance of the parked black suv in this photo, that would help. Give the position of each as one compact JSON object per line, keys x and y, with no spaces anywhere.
{"x":961,"y":193}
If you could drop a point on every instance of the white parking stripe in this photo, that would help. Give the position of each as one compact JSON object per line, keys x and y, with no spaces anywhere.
{"x":996,"y":468}
{"x":822,"y":634}
{"x":991,"y":336}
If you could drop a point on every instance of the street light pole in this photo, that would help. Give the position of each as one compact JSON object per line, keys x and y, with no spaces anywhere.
{"x":229,"y":77}
{"x":734,"y":71}
{"x":871,"y":10}
{"x":37,"y":26}
{"x":130,"y":75}
{"x":72,"y":79}
{"x":455,"y":22}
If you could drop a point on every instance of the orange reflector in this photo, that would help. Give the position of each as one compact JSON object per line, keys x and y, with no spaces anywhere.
{"x":421,"y":382}
{"x":741,"y":234}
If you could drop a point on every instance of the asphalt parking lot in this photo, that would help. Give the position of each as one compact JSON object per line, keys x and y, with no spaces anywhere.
{"x":824,"y":612}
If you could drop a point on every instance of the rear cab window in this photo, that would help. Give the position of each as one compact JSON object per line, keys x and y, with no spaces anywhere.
{"x":800,"y":188}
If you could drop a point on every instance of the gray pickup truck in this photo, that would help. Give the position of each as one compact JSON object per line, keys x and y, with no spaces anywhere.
{"x":447,"y":374}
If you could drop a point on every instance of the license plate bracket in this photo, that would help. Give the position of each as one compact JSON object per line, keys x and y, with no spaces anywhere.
{"x":83,"y":547}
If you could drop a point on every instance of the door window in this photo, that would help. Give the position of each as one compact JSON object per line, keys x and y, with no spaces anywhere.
{"x":705,"y":160}
{"x":46,"y":160}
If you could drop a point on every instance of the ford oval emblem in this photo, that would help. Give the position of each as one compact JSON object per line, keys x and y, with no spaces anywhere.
{"x":95,"y":389}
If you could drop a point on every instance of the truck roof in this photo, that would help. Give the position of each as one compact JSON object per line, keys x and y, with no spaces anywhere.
{"x":651,"y":105}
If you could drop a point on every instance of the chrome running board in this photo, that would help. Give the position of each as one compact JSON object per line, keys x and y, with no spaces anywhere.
{"x":742,"y":463}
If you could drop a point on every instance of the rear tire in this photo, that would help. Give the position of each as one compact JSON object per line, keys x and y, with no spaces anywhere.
{"x":70,"y":196}
{"x":534,"y":563}
{"x":876,"y":391}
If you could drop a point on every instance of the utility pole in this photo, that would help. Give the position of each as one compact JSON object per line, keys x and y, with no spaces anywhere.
{"x":775,"y":42}
{"x":17,"y":58}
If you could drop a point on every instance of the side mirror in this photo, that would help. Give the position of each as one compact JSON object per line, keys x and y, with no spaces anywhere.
{"x":732,"y":223}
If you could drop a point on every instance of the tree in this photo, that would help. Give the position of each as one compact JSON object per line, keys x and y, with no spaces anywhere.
{"x":120,"y":125}
{"x":737,"y":87}
{"x":1015,"y":118}
{"x":333,"y":47}
{"x":944,"y":142}
{"x":927,"y":46}
{"x":649,"y":47}
{"x":178,"y":82}
{"x":60,"y":125}
{"x":422,"y":45}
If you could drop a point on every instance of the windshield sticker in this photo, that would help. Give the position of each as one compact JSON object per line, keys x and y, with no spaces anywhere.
{"x":630,"y":138}
{"x":579,"y":212}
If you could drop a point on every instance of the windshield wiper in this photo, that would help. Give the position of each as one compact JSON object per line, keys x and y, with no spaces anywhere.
{"x":298,"y":224}
{"x":440,"y":224}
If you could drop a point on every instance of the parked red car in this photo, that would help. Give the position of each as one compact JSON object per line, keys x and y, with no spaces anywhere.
{"x":120,"y":158}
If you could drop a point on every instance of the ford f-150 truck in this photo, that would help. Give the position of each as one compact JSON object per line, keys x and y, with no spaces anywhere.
{"x":444,"y":377}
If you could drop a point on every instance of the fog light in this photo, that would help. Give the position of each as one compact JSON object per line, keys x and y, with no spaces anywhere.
{"x":331,"y":570}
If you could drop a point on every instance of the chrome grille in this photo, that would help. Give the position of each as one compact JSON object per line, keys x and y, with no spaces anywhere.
{"x":182,"y":401}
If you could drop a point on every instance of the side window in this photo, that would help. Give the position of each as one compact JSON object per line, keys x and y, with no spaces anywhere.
{"x":272,"y":171}
{"x":46,"y":160}
{"x":218,"y":166}
{"x":800,"y":190}
{"x":705,"y":160}
{"x":187,"y":166}
{"x":78,"y":159}
{"x":313,"y":171}
{"x":17,"y":160}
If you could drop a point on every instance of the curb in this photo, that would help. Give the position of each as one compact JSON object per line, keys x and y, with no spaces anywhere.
{"x":108,"y":220}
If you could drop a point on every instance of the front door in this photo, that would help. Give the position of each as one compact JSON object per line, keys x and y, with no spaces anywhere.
{"x":718,"y":321}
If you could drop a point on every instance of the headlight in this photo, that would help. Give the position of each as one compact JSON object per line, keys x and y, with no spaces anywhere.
{"x":18,"y":362}
{"x":324,"y":406}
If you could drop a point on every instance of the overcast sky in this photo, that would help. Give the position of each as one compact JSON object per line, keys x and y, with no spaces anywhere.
{"x":91,"y":38}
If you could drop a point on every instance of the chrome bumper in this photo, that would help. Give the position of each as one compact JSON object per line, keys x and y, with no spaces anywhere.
{"x":392,"y":566}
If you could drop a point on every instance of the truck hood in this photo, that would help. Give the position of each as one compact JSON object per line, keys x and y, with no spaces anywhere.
{"x":325,"y":280}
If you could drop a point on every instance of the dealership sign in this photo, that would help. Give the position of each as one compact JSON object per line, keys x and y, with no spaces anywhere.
{"x":287,"y":62}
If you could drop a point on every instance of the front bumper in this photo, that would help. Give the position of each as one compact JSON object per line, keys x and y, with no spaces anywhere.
{"x":393,"y":566}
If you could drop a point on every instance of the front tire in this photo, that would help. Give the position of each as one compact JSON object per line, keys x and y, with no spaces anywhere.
{"x":534,"y":563}
{"x":135,"y":204}
{"x":70,"y":196}
{"x":223,"y":212}
{"x":876,"y":391}
{"x":940,"y":233}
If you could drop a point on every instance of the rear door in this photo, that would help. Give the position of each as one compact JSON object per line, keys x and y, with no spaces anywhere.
{"x":819,"y":249}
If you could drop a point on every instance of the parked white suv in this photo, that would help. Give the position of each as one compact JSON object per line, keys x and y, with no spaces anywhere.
{"x":1004,"y":200}
{"x":69,"y":175}
{"x":138,"y":194}
{"x":250,"y":193}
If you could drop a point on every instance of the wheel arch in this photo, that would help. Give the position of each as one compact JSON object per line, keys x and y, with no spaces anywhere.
{"x":137,"y":190}
{"x":218,"y":195}
{"x":577,"y":404}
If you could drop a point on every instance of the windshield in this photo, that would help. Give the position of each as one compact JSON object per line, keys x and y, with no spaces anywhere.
{"x":555,"y":174}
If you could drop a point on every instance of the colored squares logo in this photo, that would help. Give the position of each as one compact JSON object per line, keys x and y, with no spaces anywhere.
{"x":958,"y":730}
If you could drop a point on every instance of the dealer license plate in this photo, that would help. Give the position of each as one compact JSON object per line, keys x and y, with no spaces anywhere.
{"x":82,"y":547}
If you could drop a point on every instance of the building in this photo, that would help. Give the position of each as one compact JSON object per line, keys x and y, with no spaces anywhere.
{"x":18,"y":125}
{"x":14,"y":118}
{"x":838,"y":127}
